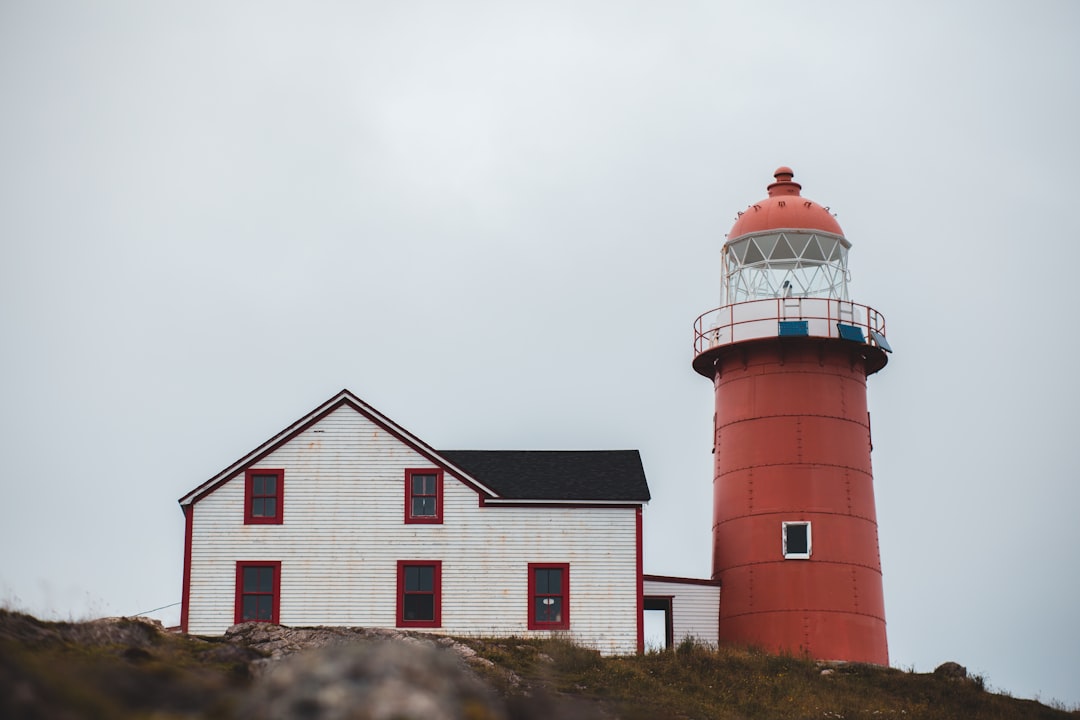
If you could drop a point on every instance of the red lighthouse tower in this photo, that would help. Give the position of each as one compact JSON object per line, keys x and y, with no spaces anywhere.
{"x":795,"y":542}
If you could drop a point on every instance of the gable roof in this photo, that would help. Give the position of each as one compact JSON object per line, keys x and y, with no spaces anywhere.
{"x":611,"y":476}
{"x":342,"y":399}
{"x":570,"y":475}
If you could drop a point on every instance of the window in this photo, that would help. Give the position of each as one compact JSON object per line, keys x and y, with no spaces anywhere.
{"x":263,"y":491}
{"x":419,"y":591}
{"x":796,"y":540}
{"x":549,"y":596}
{"x":258,"y":591}
{"x":423,"y":496}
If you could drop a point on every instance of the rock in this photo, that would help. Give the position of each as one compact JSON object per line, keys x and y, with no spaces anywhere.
{"x":131,"y":631}
{"x":951,"y":671}
{"x":239,"y":657}
{"x":463,"y":651}
{"x":277,"y":641}
{"x":374,"y":679}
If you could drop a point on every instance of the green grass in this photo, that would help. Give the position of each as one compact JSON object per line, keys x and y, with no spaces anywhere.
{"x":699,"y":682}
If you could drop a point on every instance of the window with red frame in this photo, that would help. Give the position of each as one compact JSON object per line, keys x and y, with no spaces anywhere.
{"x":424,"y":496}
{"x":419,"y":593}
{"x":258,"y":591}
{"x":263,"y":493}
{"x":549,"y":596}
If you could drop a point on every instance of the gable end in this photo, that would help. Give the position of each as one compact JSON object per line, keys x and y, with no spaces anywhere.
{"x":343,"y":398}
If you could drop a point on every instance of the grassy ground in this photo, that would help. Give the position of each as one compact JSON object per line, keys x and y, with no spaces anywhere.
{"x":57,"y":671}
{"x":698,"y":682}
{"x":127,"y":669}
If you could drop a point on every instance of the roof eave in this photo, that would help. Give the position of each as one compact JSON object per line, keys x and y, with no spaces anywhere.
{"x":561,"y":501}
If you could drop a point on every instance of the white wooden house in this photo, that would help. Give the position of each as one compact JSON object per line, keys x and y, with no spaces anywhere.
{"x":345,"y":518}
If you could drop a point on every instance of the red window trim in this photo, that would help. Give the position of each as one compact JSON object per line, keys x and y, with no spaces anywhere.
{"x":238,"y":611}
{"x":435,"y":519}
{"x":563,"y":624}
{"x":436,"y":591}
{"x":249,"y":495}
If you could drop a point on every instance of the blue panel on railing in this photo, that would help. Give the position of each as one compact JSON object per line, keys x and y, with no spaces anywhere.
{"x":880,"y":341}
{"x":790,"y":328}
{"x":850,"y":332}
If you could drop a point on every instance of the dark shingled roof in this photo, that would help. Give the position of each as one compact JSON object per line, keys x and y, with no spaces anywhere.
{"x":571,"y":475}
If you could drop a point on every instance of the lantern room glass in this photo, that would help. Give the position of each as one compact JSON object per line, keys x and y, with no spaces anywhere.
{"x":785,"y":264}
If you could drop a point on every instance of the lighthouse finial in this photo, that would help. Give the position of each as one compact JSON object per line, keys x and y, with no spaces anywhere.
{"x":784,"y":184}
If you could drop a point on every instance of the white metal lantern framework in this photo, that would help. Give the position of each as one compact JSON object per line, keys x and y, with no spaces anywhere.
{"x":785,"y":263}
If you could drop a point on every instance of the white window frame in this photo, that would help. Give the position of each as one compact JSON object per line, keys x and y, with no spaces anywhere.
{"x":809,"y":540}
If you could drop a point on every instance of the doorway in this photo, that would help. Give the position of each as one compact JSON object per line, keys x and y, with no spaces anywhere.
{"x":659,"y":628}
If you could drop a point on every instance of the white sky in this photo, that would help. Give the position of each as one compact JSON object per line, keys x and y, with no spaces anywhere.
{"x":497,"y":224}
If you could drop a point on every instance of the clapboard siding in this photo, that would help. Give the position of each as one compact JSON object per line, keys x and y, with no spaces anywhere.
{"x":695,"y":608}
{"x":343,"y":533}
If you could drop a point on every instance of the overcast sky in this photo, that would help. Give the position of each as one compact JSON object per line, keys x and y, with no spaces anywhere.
{"x":496,"y":223}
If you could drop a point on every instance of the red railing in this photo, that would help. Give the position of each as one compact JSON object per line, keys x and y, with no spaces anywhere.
{"x":759,"y":319}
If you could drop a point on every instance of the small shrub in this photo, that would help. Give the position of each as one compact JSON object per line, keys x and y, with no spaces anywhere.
{"x":688,"y":646}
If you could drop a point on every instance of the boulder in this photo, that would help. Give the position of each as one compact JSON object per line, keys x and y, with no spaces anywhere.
{"x":374,"y":679}
{"x":951,"y":671}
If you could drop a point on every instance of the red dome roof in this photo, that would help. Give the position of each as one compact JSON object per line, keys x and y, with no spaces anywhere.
{"x":784,"y":208}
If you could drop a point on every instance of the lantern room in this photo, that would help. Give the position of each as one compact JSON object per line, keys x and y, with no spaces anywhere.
{"x":785,"y":246}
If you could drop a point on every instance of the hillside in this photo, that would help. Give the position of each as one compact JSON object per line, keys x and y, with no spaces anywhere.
{"x":130,"y":668}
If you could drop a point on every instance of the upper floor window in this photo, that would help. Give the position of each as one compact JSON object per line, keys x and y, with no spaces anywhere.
{"x":424,"y":496}
{"x":797,"y":541}
{"x":263,"y":493}
{"x":258,"y":591}
{"x":549,"y":596}
{"x":419,"y":593}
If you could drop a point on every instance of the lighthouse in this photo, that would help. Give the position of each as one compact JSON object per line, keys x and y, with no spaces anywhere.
{"x":795,"y":541}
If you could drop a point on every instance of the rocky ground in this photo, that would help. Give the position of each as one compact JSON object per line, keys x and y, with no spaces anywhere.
{"x":132,"y":667}
{"x":120,"y":668}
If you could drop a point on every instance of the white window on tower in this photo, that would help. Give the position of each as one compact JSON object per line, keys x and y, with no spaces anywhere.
{"x":796,"y":540}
